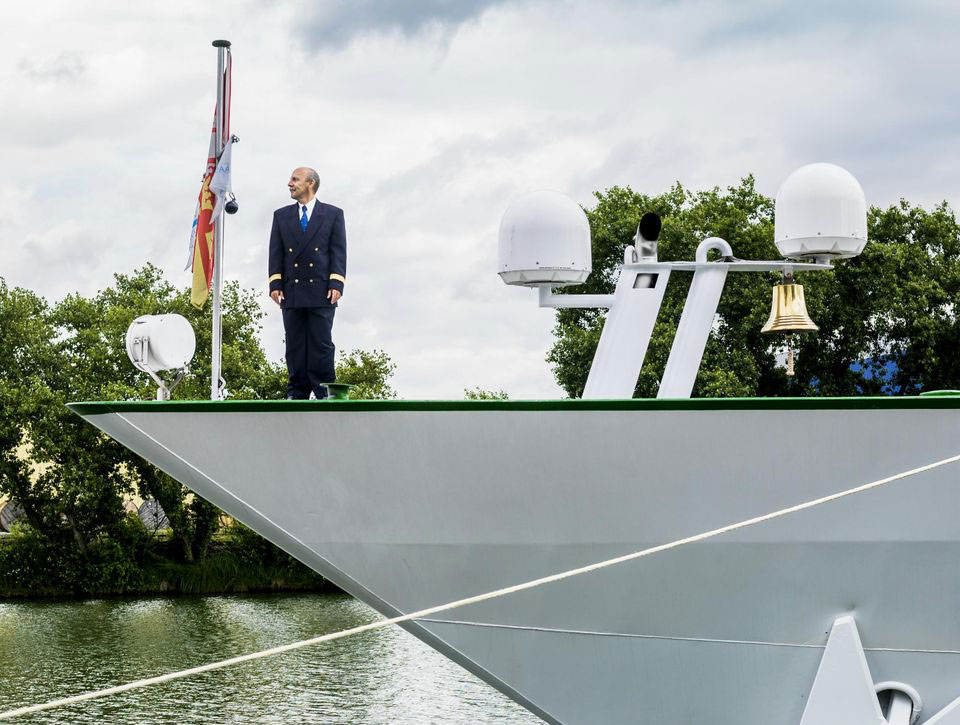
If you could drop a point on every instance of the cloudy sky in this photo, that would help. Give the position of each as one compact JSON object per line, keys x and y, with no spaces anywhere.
{"x":425,"y":119}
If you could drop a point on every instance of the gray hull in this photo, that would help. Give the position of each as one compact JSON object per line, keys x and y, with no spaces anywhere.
{"x":409,"y":505}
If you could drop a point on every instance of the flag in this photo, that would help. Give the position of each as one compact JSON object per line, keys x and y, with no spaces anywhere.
{"x":204,"y":220}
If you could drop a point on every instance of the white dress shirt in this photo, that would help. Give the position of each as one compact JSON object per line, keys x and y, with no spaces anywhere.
{"x":309,"y":207}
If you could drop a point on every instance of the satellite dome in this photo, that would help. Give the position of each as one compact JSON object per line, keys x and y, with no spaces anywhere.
{"x":544,"y":239}
{"x":820,"y":211}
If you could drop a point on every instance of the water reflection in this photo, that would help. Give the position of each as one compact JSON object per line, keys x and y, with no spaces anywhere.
{"x":54,"y":649}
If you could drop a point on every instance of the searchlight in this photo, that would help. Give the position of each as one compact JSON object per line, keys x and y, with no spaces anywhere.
{"x":161,"y":342}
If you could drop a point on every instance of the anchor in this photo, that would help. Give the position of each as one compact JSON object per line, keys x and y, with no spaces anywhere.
{"x":844,"y":693}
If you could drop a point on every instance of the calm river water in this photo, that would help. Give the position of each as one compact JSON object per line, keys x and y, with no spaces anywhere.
{"x":53,"y":649}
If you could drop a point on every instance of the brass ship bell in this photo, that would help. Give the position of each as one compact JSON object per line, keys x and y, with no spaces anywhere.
{"x":788,"y":313}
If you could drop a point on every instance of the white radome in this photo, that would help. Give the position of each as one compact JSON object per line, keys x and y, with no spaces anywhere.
{"x":820,"y":211}
{"x":544,"y":239}
{"x":171,"y":342}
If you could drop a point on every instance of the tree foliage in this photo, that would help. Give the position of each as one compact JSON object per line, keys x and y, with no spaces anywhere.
{"x":369,"y":373}
{"x":481,"y":394}
{"x":887,"y":318}
{"x":69,"y":478}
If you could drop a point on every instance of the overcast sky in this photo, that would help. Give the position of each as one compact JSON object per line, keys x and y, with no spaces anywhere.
{"x":425,"y":118}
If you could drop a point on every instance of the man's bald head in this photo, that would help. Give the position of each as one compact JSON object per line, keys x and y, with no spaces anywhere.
{"x":303,"y":184}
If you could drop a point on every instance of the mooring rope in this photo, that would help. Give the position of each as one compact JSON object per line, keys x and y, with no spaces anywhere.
{"x":533,"y":583}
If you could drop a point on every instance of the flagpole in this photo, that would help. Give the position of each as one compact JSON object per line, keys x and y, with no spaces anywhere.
{"x":217,"y":331}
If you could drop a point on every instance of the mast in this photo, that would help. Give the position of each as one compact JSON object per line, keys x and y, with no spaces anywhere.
{"x":216,"y":380}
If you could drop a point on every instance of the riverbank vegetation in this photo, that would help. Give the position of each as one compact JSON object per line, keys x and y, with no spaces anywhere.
{"x":143,"y":562}
{"x":71,"y":482}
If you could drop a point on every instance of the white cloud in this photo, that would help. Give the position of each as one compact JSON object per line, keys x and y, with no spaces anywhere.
{"x":425,"y":120}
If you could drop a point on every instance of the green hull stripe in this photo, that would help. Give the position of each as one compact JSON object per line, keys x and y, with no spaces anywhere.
{"x":651,"y":404}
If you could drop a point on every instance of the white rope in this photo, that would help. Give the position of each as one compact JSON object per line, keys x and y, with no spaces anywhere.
{"x":474,"y":599}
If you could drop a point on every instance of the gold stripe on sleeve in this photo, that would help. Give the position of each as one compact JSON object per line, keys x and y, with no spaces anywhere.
{"x":339,"y":277}
{"x":274,"y":277}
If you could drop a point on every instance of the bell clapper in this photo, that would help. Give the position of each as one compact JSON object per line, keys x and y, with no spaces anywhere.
{"x":788,"y":279}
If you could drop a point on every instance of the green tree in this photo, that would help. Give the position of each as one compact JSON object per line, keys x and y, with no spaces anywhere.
{"x":75,"y":350}
{"x":369,"y":372}
{"x":28,"y":364}
{"x":71,"y":479}
{"x":481,"y":394}
{"x":893,"y":303}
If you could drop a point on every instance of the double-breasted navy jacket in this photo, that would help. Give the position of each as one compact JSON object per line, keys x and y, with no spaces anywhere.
{"x":305,"y":264}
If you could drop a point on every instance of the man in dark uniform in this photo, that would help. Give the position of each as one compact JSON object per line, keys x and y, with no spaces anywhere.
{"x":307,"y":271}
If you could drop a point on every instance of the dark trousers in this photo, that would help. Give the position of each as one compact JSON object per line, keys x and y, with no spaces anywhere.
{"x":310,"y":350}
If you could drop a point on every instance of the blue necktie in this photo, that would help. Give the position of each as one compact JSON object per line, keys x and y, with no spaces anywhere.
{"x":303,"y":219}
